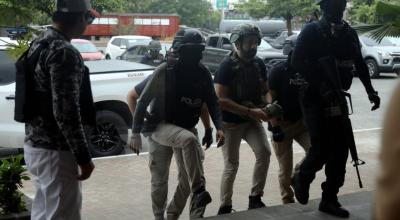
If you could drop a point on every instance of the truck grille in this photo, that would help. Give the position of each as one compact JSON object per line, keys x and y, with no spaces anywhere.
{"x":396,"y":60}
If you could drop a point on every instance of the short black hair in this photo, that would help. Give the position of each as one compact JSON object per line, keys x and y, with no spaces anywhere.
{"x":67,"y":18}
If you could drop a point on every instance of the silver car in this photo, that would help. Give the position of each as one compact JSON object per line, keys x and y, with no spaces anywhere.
{"x":383,"y":57}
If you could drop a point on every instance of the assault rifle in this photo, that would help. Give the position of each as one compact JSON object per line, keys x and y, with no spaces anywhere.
{"x":330,"y":72}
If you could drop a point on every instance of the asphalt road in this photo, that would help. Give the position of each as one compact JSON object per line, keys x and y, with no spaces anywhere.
{"x":363,"y":117}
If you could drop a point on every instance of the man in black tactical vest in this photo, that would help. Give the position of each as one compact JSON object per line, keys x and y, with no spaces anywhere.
{"x":153,"y":56}
{"x":241,"y":86}
{"x":56,"y":150}
{"x":326,"y":53}
{"x":176,"y":92}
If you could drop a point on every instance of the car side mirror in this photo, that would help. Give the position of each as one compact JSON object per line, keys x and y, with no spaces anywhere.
{"x":227,"y":47}
{"x":123,"y":47}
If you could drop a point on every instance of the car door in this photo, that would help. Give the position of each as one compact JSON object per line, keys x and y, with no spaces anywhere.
{"x":114,"y":50}
{"x":212,"y":53}
{"x":11,"y":133}
{"x":135,"y":53}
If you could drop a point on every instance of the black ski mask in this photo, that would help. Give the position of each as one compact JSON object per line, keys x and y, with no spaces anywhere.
{"x":332,"y":10}
{"x":189,"y":56}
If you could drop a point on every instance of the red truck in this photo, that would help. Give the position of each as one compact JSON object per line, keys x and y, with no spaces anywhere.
{"x":154,"y":25}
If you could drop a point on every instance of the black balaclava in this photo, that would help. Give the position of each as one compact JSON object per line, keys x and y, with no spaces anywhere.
{"x":332,"y":10}
{"x":190,"y":56}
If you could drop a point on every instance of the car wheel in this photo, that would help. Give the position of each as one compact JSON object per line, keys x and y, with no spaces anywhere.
{"x":109,"y":136}
{"x":108,"y":57}
{"x":372,"y":68}
{"x":397,"y":72}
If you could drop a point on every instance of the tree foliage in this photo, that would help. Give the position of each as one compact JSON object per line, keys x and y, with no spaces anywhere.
{"x":388,"y":21}
{"x":195,"y":13}
{"x":286,"y":9}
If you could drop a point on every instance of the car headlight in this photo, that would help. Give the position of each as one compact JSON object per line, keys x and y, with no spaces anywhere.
{"x":383,"y":53}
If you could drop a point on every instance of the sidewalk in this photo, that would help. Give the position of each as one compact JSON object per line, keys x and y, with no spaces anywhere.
{"x":120,"y":187}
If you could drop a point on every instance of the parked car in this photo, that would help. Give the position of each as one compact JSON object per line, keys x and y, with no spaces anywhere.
{"x":218,"y":46}
{"x":383,"y":57}
{"x":87,"y":49}
{"x":118,"y":44}
{"x":111,"y":80}
{"x":278,"y":42}
{"x":5,"y":42}
{"x":395,"y":40}
{"x":136,"y":53}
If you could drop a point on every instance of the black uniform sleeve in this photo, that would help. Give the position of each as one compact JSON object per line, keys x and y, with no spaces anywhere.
{"x":140,"y":87}
{"x":155,"y":83}
{"x":224,"y":74}
{"x":66,"y":72}
{"x":211,"y":100}
{"x":361,"y":66}
{"x":263,"y":69}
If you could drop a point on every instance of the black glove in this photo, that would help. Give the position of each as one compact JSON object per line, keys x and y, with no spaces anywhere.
{"x":374,"y":98}
{"x":207,"y":139}
{"x":277,"y":134}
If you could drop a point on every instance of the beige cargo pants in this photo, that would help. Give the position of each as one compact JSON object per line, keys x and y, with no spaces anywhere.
{"x":254,"y":134}
{"x":167,"y":140}
{"x":284,"y":153}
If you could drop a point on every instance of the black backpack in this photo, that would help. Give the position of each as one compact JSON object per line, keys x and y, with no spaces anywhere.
{"x":24,"y":86}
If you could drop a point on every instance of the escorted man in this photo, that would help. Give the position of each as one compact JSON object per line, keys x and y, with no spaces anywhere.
{"x":326,"y":53}
{"x":241,"y":86}
{"x":56,"y":150}
{"x":283,"y":87}
{"x":153,"y":57}
{"x":177,"y":91}
{"x":159,"y":169}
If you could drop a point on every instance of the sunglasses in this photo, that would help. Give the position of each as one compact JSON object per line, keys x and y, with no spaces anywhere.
{"x":89,"y":17}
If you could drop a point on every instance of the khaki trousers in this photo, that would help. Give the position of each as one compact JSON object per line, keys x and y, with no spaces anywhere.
{"x":169,"y":139}
{"x":58,"y":192}
{"x":284,"y":153}
{"x":254,"y":134}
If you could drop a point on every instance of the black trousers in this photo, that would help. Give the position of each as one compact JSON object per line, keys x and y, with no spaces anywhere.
{"x":328,"y":148}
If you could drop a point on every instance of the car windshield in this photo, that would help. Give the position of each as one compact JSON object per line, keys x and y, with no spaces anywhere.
{"x":264,"y":45}
{"x":7,"y":69}
{"x":85,"y":47}
{"x":372,"y":43}
{"x":133,"y":42}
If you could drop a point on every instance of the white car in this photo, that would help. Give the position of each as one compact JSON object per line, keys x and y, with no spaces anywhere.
{"x":118,"y":44}
{"x":111,"y":80}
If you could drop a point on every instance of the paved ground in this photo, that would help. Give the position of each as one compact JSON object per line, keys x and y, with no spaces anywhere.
{"x":119,"y":188}
{"x":358,"y":204}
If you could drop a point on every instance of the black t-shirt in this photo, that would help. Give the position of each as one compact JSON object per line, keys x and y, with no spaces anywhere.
{"x":228,"y":73}
{"x":281,"y":80}
{"x":140,"y":87}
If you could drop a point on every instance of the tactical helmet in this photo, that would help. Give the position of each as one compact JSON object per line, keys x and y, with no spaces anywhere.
{"x":73,"y":5}
{"x":241,"y":30}
{"x":154,"y":45}
{"x":188,"y":38}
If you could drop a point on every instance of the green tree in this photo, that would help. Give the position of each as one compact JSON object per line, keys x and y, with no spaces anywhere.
{"x":388,"y":21}
{"x":286,"y":9}
{"x":255,"y":8}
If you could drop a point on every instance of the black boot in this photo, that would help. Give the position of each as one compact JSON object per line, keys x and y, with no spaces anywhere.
{"x":255,"y":202}
{"x":201,"y":198}
{"x":301,"y":189}
{"x":333,"y":208}
{"x":225,"y":210}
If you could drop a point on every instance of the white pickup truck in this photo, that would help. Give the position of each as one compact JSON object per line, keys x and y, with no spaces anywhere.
{"x":111,"y":80}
